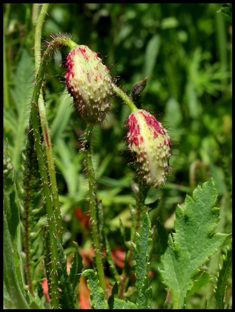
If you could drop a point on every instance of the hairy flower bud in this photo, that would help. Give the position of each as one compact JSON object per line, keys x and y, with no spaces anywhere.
{"x":151,"y":144}
{"x":89,"y":82}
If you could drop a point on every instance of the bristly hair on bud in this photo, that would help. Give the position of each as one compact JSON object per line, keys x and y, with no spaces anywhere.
{"x":151,"y":145}
{"x":89,"y":82}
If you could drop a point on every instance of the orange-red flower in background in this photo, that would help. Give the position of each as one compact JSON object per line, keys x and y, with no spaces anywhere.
{"x":83,"y":218}
{"x":45,"y":289}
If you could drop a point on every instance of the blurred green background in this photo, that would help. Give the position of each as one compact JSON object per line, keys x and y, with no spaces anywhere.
{"x":186,"y":52}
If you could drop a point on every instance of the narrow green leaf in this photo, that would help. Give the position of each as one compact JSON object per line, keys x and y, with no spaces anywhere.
{"x":111,"y":298}
{"x":35,"y":302}
{"x":224,"y":273}
{"x":111,"y":263}
{"x":76,"y":269}
{"x":61,"y":119}
{"x":151,"y":54}
{"x":9,"y":273}
{"x":96,"y":292}
{"x":193,"y":241}
{"x":66,"y":298}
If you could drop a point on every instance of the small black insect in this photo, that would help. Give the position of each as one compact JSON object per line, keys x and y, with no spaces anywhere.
{"x":87,"y":145}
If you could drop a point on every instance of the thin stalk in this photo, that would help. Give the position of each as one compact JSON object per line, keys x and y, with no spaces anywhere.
{"x":138,"y":217}
{"x":141,"y":208}
{"x":125,"y":98}
{"x":41,"y":162}
{"x":35,"y":13}
{"x":44,"y":123}
{"x":93,"y":208}
{"x":6,"y":94}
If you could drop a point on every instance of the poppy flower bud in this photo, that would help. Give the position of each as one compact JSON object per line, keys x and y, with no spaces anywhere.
{"x":89,"y":82}
{"x":151,"y":145}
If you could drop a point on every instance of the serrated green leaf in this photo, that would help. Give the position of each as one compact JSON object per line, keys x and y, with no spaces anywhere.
{"x":193,"y":241}
{"x":122,"y":304}
{"x":96,"y":292}
{"x":143,"y":246}
{"x":224,"y":272}
{"x":76,"y":269}
{"x":10,"y":278}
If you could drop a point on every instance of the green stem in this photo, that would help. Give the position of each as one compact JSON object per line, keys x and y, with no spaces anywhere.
{"x":138,"y":217}
{"x":44,"y":124}
{"x":38,"y":35}
{"x":41,"y":161}
{"x":6,"y":94}
{"x":125,"y":98}
{"x":141,"y":208}
{"x":93,"y":209}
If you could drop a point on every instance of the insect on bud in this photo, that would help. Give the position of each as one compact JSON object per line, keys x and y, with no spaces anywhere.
{"x":151,"y":145}
{"x":89,"y":82}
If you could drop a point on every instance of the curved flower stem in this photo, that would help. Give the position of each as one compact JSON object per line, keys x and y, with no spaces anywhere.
{"x":93,"y":208}
{"x":125,"y":98}
{"x":62,"y":40}
{"x":44,"y":124}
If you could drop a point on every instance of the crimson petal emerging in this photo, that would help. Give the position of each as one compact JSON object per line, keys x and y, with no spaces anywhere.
{"x":151,"y":145}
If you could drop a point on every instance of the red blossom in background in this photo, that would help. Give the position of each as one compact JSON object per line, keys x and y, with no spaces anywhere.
{"x":45,"y":289}
{"x":84,"y":219}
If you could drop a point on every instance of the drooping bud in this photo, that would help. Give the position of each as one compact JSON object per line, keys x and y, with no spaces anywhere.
{"x":151,"y":144}
{"x":89,"y":82}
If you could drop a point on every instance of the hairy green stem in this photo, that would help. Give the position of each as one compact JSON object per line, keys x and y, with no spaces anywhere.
{"x":138,"y":218}
{"x":62,"y":40}
{"x":141,"y":208}
{"x":125,"y":98}
{"x":44,"y":124}
{"x":93,"y":208}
